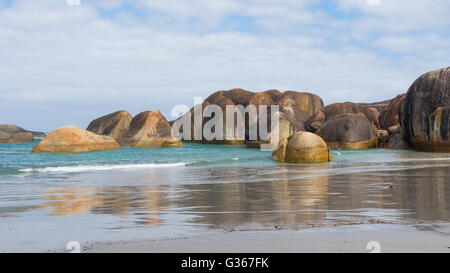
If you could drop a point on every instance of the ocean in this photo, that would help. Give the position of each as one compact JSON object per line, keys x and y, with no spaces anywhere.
{"x":134,"y":194}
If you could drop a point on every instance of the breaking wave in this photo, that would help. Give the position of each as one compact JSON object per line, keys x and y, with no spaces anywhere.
{"x":73,"y":169}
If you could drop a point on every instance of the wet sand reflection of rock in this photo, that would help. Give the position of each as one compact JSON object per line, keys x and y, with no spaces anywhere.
{"x":287,"y":195}
{"x":144,"y":203}
{"x":70,"y":201}
{"x":275,"y":200}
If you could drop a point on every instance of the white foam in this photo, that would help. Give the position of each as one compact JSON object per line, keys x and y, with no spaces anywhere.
{"x":81,"y":168}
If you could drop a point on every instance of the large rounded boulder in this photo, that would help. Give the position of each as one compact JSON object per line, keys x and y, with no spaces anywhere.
{"x":71,"y":139}
{"x":349,"y":131}
{"x":425,"y":115}
{"x":114,"y":125}
{"x":299,"y":107}
{"x":149,"y":129}
{"x":302,"y":147}
{"x":370,"y":110}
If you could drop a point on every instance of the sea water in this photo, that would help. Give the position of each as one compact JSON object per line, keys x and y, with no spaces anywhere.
{"x":47,"y":200}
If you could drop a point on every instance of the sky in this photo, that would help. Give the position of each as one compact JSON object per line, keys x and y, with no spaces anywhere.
{"x":67,"y":62}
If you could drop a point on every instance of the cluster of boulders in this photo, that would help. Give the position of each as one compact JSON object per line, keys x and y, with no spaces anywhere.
{"x":147,"y":129}
{"x":342,"y":125}
{"x":297,"y":110}
{"x":419,"y":119}
{"x":15,"y":134}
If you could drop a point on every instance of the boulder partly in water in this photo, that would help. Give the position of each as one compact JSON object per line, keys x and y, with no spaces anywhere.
{"x":71,"y":139}
{"x":149,"y":129}
{"x":114,"y":125}
{"x":349,"y":131}
{"x":425,"y":115}
{"x":302,"y":147}
{"x":14,"y":134}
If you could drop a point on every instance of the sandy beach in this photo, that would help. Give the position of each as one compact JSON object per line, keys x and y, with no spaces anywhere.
{"x":434,"y":238}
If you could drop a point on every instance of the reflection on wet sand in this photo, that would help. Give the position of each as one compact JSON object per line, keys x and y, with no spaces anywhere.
{"x":70,"y":201}
{"x":278,"y":198}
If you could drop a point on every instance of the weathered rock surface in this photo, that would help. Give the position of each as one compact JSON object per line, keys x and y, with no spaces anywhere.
{"x":372,"y":115}
{"x":383,"y":138}
{"x":349,"y":131}
{"x":114,"y":125}
{"x":316,"y":121}
{"x":397,"y":141}
{"x":149,"y":129}
{"x":14,"y":134}
{"x":394,"y":129}
{"x":379,"y":105}
{"x":302,"y":147}
{"x":341,"y":108}
{"x":298,"y":107}
{"x":295,"y":109}
{"x":370,"y":110}
{"x":71,"y":139}
{"x":425,"y":115}
{"x":389,"y":115}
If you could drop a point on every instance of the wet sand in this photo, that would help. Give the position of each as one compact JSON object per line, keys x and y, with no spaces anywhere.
{"x":269,"y":206}
{"x":340,"y":239}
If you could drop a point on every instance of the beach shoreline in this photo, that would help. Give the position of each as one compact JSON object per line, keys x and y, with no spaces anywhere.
{"x":359,"y":238}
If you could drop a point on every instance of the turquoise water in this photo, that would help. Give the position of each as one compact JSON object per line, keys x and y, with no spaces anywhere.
{"x":47,"y":200}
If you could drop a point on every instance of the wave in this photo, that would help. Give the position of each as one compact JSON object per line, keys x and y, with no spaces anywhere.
{"x":81,"y":168}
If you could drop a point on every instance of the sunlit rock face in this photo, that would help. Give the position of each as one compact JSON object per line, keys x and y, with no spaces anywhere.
{"x":302,"y":147}
{"x":71,"y":139}
{"x":114,"y":125}
{"x":349,"y":131}
{"x":149,"y":129}
{"x":425,"y":115}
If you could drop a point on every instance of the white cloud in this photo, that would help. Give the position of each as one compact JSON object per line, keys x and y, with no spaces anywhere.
{"x":58,"y":59}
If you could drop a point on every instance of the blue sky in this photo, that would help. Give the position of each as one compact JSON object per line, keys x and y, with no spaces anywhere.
{"x":68,"y":64}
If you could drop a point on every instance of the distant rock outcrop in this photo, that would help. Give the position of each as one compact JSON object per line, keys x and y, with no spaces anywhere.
{"x":15,"y":134}
{"x":349,"y":131}
{"x":425,"y":115}
{"x":71,"y":139}
{"x":302,"y":147}
{"x":114,"y":125}
{"x":149,"y":129}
